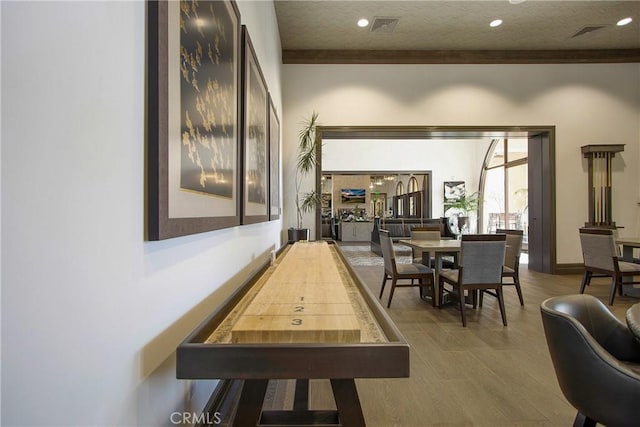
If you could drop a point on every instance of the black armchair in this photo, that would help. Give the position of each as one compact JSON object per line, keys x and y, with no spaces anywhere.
{"x":596,"y":359}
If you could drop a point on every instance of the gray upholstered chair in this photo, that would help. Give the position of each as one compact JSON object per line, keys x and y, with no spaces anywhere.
{"x":433,"y":232}
{"x":398,"y":271}
{"x":511,"y":267}
{"x":600,"y":255}
{"x":596,"y":359}
{"x":424,"y":233}
{"x":481,"y":259}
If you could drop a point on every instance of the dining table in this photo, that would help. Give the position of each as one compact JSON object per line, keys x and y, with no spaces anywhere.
{"x":439,"y":248}
{"x":628,"y":245}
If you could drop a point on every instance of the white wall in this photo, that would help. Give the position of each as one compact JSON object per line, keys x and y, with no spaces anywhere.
{"x":91,"y":313}
{"x":588,"y":104}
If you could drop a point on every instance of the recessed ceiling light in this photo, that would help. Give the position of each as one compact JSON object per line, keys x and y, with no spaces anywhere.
{"x":516,"y":1}
{"x":496,"y":23}
{"x":624,"y":21}
{"x":363,"y":22}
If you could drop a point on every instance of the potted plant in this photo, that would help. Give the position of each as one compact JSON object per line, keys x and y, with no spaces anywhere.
{"x":464,"y":205}
{"x":306,"y":162}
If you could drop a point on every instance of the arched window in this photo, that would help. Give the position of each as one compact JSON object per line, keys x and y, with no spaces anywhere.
{"x":413,"y":185}
{"x":399,"y":188}
{"x":504,"y":183}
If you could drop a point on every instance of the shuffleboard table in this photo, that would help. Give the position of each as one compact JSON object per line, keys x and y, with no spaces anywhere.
{"x":306,"y":316}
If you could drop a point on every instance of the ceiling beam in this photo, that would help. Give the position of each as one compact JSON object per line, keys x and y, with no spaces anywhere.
{"x":460,"y":56}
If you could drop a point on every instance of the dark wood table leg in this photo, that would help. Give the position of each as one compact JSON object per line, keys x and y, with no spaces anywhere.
{"x":301,"y":397}
{"x":436,"y":277}
{"x":347,"y":402}
{"x":250,"y":404}
{"x":426,"y":293}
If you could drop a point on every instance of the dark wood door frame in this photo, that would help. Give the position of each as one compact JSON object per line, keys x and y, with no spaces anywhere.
{"x":541,"y":189}
{"x":541,"y":173}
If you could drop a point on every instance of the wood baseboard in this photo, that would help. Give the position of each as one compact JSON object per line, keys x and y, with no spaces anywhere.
{"x":568,"y":268}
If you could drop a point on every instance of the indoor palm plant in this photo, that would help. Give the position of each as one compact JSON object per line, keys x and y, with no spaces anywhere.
{"x":306,"y":162}
{"x":465,"y":205}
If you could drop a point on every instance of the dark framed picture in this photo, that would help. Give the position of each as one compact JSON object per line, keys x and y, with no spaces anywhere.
{"x":274,"y":162}
{"x":254,"y":136}
{"x":353,"y":195}
{"x":193,"y":117}
{"x":453,"y":190}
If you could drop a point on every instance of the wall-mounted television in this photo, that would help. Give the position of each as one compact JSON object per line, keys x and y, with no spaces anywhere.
{"x":352,"y":195}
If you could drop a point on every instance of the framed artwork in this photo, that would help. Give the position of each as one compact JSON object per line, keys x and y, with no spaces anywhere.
{"x":274,"y":162}
{"x":353,"y":195}
{"x":453,"y":190}
{"x":254,"y":136}
{"x":193,"y":117}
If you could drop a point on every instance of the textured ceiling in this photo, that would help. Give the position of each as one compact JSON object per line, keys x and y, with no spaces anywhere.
{"x":458,"y":25}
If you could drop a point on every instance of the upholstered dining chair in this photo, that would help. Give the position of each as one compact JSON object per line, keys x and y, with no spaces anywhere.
{"x":600,"y":255}
{"x":424,"y":233}
{"x":596,"y":360}
{"x":511,"y":267}
{"x":433,"y":232}
{"x":480,"y":268}
{"x":400,"y":271}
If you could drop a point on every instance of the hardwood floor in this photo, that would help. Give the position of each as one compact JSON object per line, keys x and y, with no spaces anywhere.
{"x":481,"y":375}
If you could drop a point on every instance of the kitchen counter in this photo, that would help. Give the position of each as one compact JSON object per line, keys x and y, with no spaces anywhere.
{"x":355,"y":231}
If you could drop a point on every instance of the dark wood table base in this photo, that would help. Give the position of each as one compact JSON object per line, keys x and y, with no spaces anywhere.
{"x":349,"y":412}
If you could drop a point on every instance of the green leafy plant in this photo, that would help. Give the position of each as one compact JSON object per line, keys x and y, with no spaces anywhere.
{"x":466,"y":204}
{"x":307,"y":161}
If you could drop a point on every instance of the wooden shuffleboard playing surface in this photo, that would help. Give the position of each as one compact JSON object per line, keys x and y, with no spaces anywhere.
{"x":305,"y":316}
{"x":303,"y":300}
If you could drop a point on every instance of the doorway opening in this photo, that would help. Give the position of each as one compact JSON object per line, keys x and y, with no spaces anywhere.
{"x":535,"y":202}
